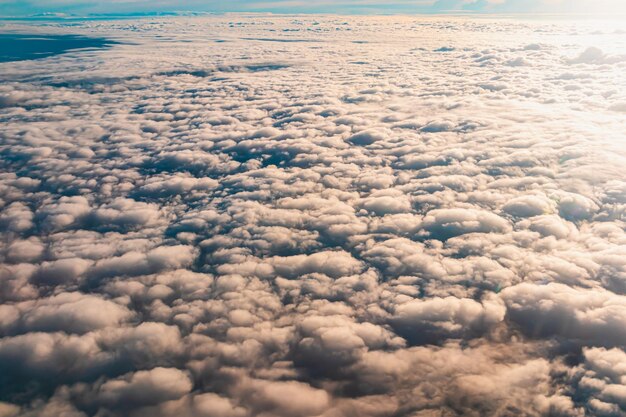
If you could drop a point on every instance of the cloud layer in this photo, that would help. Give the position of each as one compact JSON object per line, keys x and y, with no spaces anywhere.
{"x":315,"y":216}
{"x":62,"y":8}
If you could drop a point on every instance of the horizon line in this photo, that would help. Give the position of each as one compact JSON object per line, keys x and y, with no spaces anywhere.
{"x":196,"y":13}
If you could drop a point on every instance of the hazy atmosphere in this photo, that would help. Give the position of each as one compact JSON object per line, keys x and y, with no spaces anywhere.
{"x":82,"y":7}
{"x":312,"y":215}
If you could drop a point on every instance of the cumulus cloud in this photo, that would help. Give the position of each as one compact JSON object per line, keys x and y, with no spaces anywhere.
{"x":71,"y":312}
{"x":436,"y":319}
{"x":329,"y":216}
{"x":445,"y":223}
{"x":144,"y":388}
{"x":590,"y":316}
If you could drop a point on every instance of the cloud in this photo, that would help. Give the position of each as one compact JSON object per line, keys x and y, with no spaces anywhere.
{"x":441,"y":318}
{"x":72,"y":312}
{"x":588,"y":316}
{"x":59,"y":8}
{"x":445,"y":223}
{"x":144,"y":388}
{"x":314,"y":215}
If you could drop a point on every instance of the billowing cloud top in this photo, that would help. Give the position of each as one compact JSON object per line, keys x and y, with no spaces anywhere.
{"x":293,"y":216}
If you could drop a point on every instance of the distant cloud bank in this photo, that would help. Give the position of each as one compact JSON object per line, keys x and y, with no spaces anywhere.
{"x":58,"y":8}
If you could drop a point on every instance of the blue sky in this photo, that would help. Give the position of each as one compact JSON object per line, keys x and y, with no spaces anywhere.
{"x":81,"y":7}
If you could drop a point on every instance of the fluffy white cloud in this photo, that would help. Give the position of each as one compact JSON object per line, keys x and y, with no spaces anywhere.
{"x":71,"y":312}
{"x":235,"y":216}
{"x":144,"y":388}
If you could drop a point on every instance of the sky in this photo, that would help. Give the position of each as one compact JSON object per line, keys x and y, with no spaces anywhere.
{"x":81,"y":7}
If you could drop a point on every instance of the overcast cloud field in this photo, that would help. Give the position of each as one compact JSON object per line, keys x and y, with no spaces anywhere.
{"x":294,"y":216}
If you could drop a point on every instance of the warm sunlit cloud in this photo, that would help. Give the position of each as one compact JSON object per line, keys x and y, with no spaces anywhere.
{"x":371,"y":212}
